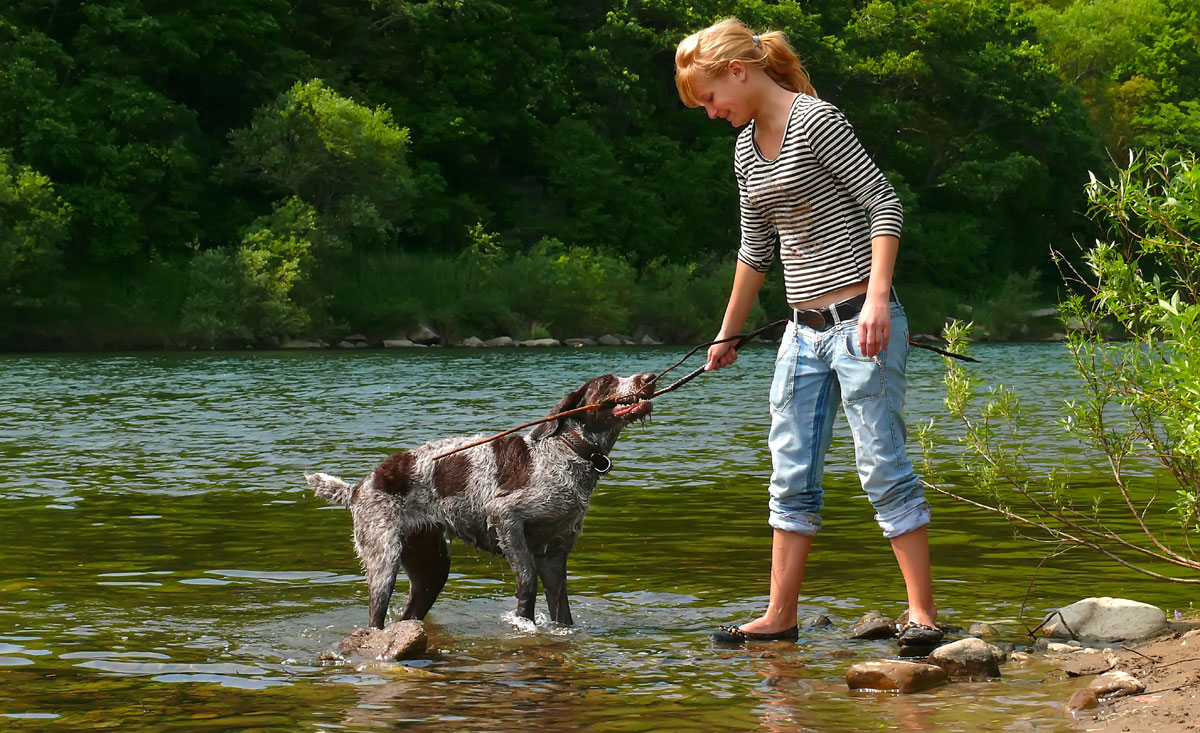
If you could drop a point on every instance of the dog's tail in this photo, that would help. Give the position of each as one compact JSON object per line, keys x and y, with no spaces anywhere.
{"x":330,"y":488}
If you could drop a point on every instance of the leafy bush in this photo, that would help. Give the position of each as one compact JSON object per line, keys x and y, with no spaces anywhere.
{"x":250,"y":293}
{"x":1141,"y":403}
{"x":685,"y":302}
{"x":33,"y":226}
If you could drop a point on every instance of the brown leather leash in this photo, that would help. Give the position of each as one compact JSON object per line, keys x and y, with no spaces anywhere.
{"x":740,"y":340}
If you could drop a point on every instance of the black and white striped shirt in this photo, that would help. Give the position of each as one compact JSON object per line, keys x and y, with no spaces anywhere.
{"x":814,"y":200}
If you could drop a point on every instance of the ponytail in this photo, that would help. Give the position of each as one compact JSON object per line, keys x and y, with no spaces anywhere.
{"x":709,"y":52}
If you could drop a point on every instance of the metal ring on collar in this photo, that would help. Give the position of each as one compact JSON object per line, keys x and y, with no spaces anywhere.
{"x":602,"y":468}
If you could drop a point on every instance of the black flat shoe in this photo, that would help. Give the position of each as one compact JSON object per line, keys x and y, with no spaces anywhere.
{"x":919,"y":636}
{"x":734,"y":635}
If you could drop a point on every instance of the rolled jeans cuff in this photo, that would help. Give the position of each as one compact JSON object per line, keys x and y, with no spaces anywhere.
{"x":805,"y":523}
{"x":909,"y":516}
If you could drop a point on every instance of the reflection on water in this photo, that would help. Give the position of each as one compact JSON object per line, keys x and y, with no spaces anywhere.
{"x":165,"y":566}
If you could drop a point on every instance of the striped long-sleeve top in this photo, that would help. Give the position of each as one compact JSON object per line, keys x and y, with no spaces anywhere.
{"x":821,"y":200}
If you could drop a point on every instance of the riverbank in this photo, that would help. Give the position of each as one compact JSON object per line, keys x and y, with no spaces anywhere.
{"x":1169,"y":669}
{"x":550,"y":292}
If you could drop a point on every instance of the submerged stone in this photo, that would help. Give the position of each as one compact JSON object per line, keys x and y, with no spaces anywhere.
{"x":971,"y":657}
{"x":896,"y":676}
{"x":1083,"y":699}
{"x":401,"y":640}
{"x":873,"y":625}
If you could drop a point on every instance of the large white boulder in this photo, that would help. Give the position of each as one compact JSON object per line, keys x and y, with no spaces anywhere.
{"x":1106,"y":620}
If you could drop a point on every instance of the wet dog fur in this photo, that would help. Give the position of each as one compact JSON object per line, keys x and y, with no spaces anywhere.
{"x":521,"y":496}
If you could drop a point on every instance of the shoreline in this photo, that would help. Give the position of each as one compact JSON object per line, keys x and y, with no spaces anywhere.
{"x":57,"y":347}
{"x":1168,"y":666}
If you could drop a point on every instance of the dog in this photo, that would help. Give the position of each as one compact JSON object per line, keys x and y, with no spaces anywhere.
{"x":520,"y":496}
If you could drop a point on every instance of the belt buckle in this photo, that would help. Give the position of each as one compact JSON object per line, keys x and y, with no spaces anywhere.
{"x":811,"y":320}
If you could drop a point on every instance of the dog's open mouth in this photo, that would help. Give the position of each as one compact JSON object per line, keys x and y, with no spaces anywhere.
{"x":636,"y":408}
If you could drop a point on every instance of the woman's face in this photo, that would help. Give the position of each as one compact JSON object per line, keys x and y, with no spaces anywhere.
{"x":726,"y":96}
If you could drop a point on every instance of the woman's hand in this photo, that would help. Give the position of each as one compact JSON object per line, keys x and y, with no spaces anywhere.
{"x":720,"y":355}
{"x":874,"y":327}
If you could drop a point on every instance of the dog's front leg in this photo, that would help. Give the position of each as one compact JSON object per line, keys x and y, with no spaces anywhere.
{"x":380,"y":553}
{"x":511,"y":534}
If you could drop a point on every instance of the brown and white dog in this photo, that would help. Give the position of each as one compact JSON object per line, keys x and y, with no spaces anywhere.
{"x":523,"y":497}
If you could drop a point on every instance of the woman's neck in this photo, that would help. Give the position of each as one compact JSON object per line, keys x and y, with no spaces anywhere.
{"x":773,"y":110}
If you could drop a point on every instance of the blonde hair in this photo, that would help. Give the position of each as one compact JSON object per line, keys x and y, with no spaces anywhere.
{"x":709,"y":52}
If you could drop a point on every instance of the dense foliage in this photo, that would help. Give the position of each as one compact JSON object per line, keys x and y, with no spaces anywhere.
{"x":209,"y":172}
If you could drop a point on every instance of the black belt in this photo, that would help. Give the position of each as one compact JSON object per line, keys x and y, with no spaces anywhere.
{"x":820,"y":319}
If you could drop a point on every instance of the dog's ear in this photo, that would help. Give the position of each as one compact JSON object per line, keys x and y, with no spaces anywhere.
{"x":569,"y":402}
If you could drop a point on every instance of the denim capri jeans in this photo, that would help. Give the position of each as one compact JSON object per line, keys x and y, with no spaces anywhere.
{"x":814,"y":371}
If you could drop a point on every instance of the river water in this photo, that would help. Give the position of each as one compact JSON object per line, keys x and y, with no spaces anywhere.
{"x":163,"y":567}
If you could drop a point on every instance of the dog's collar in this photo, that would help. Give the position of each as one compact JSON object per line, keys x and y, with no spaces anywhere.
{"x":587,"y":451}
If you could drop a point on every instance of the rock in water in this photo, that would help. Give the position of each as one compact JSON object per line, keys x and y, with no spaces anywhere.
{"x":973,"y":658}
{"x":1106,"y":620}
{"x":1083,"y":699}
{"x":401,"y":640}
{"x":874,"y":625}
{"x":894,"y":675}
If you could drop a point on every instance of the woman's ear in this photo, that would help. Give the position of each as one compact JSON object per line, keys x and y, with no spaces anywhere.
{"x":736,"y":70}
{"x":569,"y":402}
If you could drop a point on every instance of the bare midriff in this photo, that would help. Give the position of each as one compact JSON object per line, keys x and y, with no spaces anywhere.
{"x":834,"y":296}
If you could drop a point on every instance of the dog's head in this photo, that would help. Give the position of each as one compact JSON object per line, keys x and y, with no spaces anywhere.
{"x":624,"y":400}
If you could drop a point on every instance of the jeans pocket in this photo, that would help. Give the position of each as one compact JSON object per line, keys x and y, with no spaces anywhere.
{"x":784,"y":381}
{"x":861,"y":377}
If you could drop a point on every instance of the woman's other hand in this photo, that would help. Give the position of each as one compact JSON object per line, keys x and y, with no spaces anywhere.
{"x":874,"y":327}
{"x":720,"y":355}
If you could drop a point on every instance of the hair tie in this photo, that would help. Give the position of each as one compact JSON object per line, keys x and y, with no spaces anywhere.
{"x":755,"y":39}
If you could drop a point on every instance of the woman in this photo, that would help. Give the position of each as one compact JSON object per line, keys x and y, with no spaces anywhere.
{"x":806,"y":186}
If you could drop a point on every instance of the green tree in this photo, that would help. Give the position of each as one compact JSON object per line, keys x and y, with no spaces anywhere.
{"x":975,"y":127}
{"x":345,"y":160}
{"x":33,"y":227}
{"x":1137,"y":63}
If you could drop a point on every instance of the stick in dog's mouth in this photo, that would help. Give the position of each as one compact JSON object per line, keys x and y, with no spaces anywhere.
{"x":635,"y":401}
{"x":624,"y":408}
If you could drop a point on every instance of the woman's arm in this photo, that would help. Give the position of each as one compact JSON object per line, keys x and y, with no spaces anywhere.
{"x":746,"y":283}
{"x":875,"y":319}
